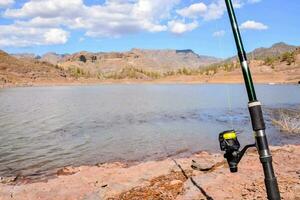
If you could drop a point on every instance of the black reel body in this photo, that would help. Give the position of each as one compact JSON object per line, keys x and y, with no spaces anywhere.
{"x":230,"y":144}
{"x":228,"y":141}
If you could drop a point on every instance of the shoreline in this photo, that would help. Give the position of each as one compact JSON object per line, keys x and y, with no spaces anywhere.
{"x":170,"y":178}
{"x":138,"y":82}
{"x":52,"y":173}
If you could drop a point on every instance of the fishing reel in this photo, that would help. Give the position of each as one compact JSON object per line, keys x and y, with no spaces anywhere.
{"x":230,"y":144}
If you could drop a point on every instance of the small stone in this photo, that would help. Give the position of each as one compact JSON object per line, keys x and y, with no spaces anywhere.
{"x":202,"y":166}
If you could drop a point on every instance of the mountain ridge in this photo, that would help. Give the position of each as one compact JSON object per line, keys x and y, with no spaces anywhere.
{"x":258,"y":53}
{"x":275,"y":50}
{"x":141,"y":64}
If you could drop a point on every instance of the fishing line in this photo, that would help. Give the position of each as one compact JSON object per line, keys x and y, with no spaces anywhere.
{"x":229,"y":114}
{"x":228,"y":91}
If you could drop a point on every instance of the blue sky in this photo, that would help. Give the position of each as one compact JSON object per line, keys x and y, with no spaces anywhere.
{"x":67,"y":26}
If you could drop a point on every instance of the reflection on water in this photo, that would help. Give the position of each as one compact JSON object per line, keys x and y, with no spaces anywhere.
{"x":49,"y":127}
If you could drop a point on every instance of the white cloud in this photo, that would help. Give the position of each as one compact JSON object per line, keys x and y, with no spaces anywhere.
{"x":6,"y":3}
{"x":179,"y":27}
{"x":220,"y":33}
{"x":253,"y":25}
{"x":18,"y":36}
{"x":193,"y":11}
{"x":237,"y":4}
{"x":49,"y":21}
{"x":212,"y":11}
{"x":113,"y":18}
{"x":56,"y":36}
{"x":46,"y":9}
{"x":254,"y":1}
{"x":41,"y":22}
{"x":215,"y":10}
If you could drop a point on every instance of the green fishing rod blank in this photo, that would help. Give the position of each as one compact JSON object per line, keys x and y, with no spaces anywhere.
{"x":230,"y":144}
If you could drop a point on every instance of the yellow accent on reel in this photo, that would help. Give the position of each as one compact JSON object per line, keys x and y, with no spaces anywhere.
{"x":229,"y":135}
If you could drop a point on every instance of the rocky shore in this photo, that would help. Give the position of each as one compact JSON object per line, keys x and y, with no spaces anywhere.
{"x":167,"y":179}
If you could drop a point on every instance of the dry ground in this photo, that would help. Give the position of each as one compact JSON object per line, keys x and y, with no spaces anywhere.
{"x":165,"y":180}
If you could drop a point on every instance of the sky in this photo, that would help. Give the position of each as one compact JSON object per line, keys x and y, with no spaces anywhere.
{"x":68,"y":26}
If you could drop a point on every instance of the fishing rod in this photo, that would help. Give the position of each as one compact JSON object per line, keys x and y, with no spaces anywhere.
{"x":228,"y":139}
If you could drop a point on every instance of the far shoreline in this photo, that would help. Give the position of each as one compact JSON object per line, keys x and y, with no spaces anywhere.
{"x":135,"y":82}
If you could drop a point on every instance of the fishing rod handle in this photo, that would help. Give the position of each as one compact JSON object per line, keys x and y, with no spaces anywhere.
{"x":270,"y":180}
{"x":262,"y":146}
{"x":266,"y":161}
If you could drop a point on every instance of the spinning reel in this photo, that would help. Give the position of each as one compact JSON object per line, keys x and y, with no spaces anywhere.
{"x":230,"y":144}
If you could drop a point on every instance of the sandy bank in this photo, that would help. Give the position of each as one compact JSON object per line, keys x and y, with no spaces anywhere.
{"x":169,"y":80}
{"x":261,"y":75}
{"x":167,"y":179}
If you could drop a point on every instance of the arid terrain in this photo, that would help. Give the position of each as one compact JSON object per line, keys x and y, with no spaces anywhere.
{"x":172,"y":177}
{"x":277,"y":64}
{"x":168,"y":179}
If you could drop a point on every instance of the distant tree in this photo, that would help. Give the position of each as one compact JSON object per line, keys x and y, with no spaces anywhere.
{"x":288,"y":57}
{"x":82,"y":58}
{"x":269,"y":61}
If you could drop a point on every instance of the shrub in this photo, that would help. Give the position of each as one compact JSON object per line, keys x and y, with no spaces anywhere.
{"x":77,"y":72}
{"x":270,"y":61}
{"x":82,"y":58}
{"x":133,"y":73}
{"x":287,"y":120}
{"x":288,"y":57}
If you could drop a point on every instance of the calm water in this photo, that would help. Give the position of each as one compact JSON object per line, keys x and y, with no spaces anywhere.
{"x":44,"y":128}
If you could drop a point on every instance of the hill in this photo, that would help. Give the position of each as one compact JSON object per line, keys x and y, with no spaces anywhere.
{"x":25,"y":55}
{"x":275,"y":50}
{"x":147,"y":60}
{"x":52,"y":57}
{"x":25,"y":71}
{"x":280,"y":68}
{"x":279,"y":63}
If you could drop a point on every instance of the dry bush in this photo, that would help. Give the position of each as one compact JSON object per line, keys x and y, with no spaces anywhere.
{"x":287,"y":120}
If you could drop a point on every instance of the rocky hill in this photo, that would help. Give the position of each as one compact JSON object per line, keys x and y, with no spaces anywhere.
{"x":263,"y":53}
{"x":279,"y":63}
{"x":52,"y":57}
{"x":25,"y":71}
{"x":275,"y":50}
{"x":25,"y":55}
{"x":150,"y":60}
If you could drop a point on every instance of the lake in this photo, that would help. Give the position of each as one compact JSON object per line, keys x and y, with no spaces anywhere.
{"x":44,"y":128}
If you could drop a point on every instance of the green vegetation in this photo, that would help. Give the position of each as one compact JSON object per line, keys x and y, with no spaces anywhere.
{"x":139,"y":73}
{"x":288,"y":57}
{"x":136,"y":73}
{"x":78,"y":72}
{"x":132,"y":73}
{"x":213,"y":69}
{"x":270,"y":60}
